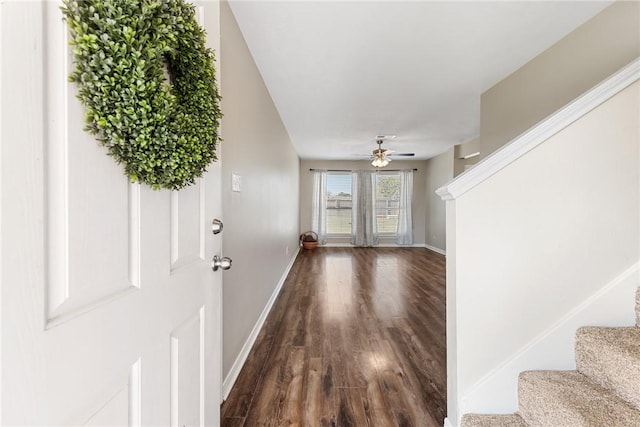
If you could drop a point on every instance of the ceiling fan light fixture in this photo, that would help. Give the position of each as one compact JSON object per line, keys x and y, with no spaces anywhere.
{"x":380,"y":158}
{"x":380,"y":161}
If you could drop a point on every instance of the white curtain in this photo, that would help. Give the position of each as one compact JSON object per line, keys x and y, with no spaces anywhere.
{"x":404,"y":233}
{"x":364,"y":230}
{"x":319,"y":205}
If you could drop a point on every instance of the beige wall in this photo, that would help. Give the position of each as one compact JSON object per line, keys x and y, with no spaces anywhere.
{"x":439,"y":172}
{"x":575,"y":64}
{"x":419,"y":202}
{"x":261,"y":221}
{"x":471,"y":148}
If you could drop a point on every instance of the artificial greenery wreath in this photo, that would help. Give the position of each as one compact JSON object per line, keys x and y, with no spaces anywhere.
{"x":163,"y":130}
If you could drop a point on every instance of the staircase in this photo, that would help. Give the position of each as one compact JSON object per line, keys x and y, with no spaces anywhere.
{"x":604,"y":391}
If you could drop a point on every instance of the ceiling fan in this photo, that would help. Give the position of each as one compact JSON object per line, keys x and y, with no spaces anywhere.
{"x":381,"y":157}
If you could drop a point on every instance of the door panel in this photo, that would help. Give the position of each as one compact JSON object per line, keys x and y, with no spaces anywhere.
{"x":110,"y":311}
{"x":123,"y":408}
{"x":92,"y":211}
{"x":187,"y":369}
{"x":116,"y":410}
{"x":187,"y":225}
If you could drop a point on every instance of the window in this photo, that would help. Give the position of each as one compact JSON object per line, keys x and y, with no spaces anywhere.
{"x":381,"y":211}
{"x":387,"y":202}
{"x":339,"y":203}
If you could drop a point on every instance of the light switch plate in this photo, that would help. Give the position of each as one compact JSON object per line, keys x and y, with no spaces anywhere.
{"x":236,"y":183}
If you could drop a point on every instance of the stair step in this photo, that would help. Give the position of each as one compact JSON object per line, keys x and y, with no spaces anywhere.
{"x":611,"y":358}
{"x":568,"y":398}
{"x":481,"y":420}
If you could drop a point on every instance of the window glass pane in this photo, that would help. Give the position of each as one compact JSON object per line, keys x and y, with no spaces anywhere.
{"x":339,"y":203}
{"x":387,"y":202}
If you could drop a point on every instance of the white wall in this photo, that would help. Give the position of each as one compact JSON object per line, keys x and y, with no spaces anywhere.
{"x":439,"y":172}
{"x":557,"y":227}
{"x":261,"y":221}
{"x":419,"y":191}
{"x":575,"y":64}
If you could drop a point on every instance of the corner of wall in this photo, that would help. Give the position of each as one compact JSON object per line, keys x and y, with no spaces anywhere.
{"x":440,"y":170}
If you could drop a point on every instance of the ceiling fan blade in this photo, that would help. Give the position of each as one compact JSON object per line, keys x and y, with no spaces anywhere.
{"x":403,"y":154}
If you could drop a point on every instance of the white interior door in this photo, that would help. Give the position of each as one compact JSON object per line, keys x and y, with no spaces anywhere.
{"x":111,"y":314}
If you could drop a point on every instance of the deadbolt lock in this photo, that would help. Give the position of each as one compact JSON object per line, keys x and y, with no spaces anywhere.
{"x":216,"y":226}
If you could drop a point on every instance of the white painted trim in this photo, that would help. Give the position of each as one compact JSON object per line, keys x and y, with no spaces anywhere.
{"x":559,"y":325}
{"x":232,"y":376}
{"x":436,"y":250}
{"x":540,"y":132}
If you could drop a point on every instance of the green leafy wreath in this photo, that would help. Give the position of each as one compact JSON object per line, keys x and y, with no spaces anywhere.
{"x":163,"y":130}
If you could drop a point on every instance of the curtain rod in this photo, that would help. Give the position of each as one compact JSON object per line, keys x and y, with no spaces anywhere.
{"x":349,"y":170}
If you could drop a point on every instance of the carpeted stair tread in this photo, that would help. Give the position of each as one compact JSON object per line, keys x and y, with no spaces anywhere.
{"x":611,"y":358}
{"x":568,"y":398}
{"x":481,"y":420}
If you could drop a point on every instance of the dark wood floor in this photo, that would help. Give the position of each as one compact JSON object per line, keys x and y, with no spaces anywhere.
{"x":356,"y":338}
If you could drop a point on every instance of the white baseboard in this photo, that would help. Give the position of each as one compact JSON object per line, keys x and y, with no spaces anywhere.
{"x":553,"y":348}
{"x":232,"y":376}
{"x":436,"y":250}
{"x":379,"y":245}
{"x":395,"y":245}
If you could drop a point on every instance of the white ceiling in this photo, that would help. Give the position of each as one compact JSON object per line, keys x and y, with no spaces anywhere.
{"x":341,"y":73}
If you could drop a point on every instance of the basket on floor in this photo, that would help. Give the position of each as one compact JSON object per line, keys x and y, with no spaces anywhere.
{"x":309,"y":240}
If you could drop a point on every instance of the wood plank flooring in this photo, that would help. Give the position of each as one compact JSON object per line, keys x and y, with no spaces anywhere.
{"x":355,"y":338}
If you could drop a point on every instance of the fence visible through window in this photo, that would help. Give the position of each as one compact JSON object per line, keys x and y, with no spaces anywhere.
{"x":387,"y":202}
{"x":387,"y":215}
{"x":339,"y":215}
{"x":340,"y":203}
